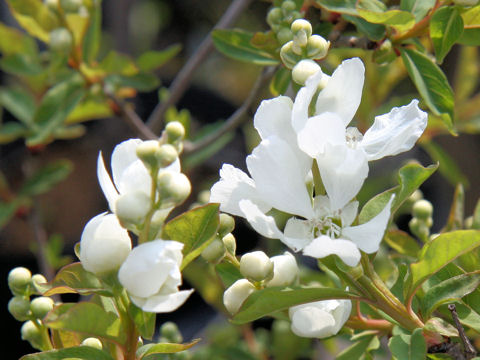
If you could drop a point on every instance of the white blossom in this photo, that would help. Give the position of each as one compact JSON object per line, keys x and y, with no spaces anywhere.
{"x":285,"y":270}
{"x":236,"y":294}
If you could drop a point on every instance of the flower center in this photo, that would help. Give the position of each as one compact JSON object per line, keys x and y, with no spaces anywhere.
{"x":353,"y":137}
{"x":328,"y":225}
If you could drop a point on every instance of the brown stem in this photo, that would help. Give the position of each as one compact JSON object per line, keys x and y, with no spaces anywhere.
{"x":470,"y":351}
{"x":237,"y":118}
{"x":183,"y":78}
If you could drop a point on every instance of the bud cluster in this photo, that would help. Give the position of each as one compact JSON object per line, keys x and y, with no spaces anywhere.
{"x":280,"y":18}
{"x":224,"y":242}
{"x":421,"y":221}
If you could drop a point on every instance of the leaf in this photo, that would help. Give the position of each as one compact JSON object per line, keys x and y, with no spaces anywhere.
{"x":431,"y":83}
{"x":116,"y":63}
{"x":21,"y":65}
{"x":440,"y":326}
{"x":402,"y":243}
{"x":152,"y":60}
{"x":447,"y":165}
{"x":446,"y":27}
{"x":13,"y":41}
{"x":19,"y":103}
{"x":165,"y":348}
{"x":440,"y":252}
{"x":228,"y":273}
{"x":374,"y":32}
{"x":142,"y":81}
{"x":470,"y":37}
{"x":194,"y":229}
{"x":8,"y":209}
{"x":88,"y":319}
{"x":410,"y":177}
{"x":76,"y":352}
{"x":78,"y":25}
{"x":267,"y":301}
{"x":11,"y":131}
{"x":92,"y":38}
{"x":466,"y":74}
{"x":56,"y":105}
{"x":419,"y":8}
{"x":350,"y":6}
{"x":359,"y":349}
{"x":46,"y":178}
{"x":236,"y":44}
{"x":89,"y":110}
{"x":397,"y":19}
{"x":280,"y":81}
{"x":452,"y":289}
{"x":74,"y":279}
{"x":144,"y":321}
{"x":455,"y":217}
{"x":408,"y":347}
{"x":476,"y":216}
{"x":471,"y":17}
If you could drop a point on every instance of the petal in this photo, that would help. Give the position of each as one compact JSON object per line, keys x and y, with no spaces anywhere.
{"x":311,"y":322}
{"x":298,"y":234}
{"x":324,"y":246}
{"x":123,"y":156}
{"x":233,"y":186}
{"x":279,"y":178}
{"x":341,"y":314}
{"x":164,"y":303}
{"x":134,"y":178}
{"x":106,"y":184}
{"x":263,"y":224}
{"x":285,"y":270}
{"x":303,"y":100}
{"x":273,"y":117}
{"x":343,"y":92}
{"x":395,"y":132}
{"x":343,"y":171}
{"x":319,"y":130}
{"x":368,"y":236}
{"x":348,"y":213}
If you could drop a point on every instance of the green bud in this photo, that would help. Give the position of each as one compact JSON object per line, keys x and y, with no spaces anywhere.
{"x":301,"y":30}
{"x":40,"y":306}
{"x":284,"y":35}
{"x":419,"y":228}
{"x":166,"y":155}
{"x":230,"y":243}
{"x":274,"y":16}
{"x":146,"y":151}
{"x":170,"y":331}
{"x":289,"y":58}
{"x":227,"y":224}
{"x":317,"y":47}
{"x":294,"y":15}
{"x":31,"y":333}
{"x":132,"y":207}
{"x":289,"y":6}
{"x":93,"y":342}
{"x":303,"y":70}
{"x":214,"y":252}
{"x":19,"y":307}
{"x":256,"y":266}
{"x":204,"y":197}
{"x":18,"y":280}
{"x":422,"y":209}
{"x":175,"y":131}
{"x":71,"y":6}
{"x":61,"y":40}
{"x":173,"y":186}
{"x":40,"y":283}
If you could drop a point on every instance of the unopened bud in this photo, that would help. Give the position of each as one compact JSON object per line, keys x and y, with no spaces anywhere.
{"x":214,"y":252}
{"x":419,"y":228}
{"x":71,"y":6}
{"x":61,"y":40}
{"x":170,"y":331}
{"x":173,"y":186}
{"x":18,"y":280}
{"x":31,"y":333}
{"x":40,"y":283}
{"x":303,"y":70}
{"x":274,"y":16}
{"x":317,"y":47}
{"x":285,"y":270}
{"x":40,"y":306}
{"x":256,"y":266}
{"x":19,"y":307}
{"x":132,"y":207}
{"x":289,"y":6}
{"x":175,"y":131}
{"x":284,"y":35}
{"x":301,"y":30}
{"x":204,"y":197}
{"x":93,"y":342}
{"x":147,"y":151}
{"x":422,"y":209}
{"x":236,"y":294}
{"x":230,"y":243}
{"x":227,"y":224}
{"x":166,"y":155}
{"x":289,"y":58}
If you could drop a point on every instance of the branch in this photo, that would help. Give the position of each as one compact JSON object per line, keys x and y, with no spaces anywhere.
{"x":236,"y":118}
{"x":180,"y":83}
{"x":470,"y":351}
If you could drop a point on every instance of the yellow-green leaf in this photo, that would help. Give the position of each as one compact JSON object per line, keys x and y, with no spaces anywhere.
{"x":397,"y":19}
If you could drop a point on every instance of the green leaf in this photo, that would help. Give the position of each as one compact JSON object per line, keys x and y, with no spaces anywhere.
{"x":447,"y":165}
{"x":236,"y":44}
{"x":397,"y":19}
{"x":440,"y":252}
{"x":280,"y":81}
{"x":46,"y":178}
{"x":471,"y":17}
{"x":228,"y":273}
{"x":270,"y":300}
{"x":11,"y":131}
{"x":74,"y":279}
{"x":19,"y":103}
{"x":374,"y":32}
{"x":76,"y":352}
{"x":89,"y":110}
{"x":452,"y":289}
{"x":21,"y":65}
{"x":446,"y":27}
{"x":408,"y":347}
{"x":431,"y":83}
{"x":56,"y":105}
{"x":142,"y":81}
{"x":410,"y":177}
{"x":455,"y":217}
{"x":88,"y":319}
{"x":165,"y":348}
{"x":440,"y":326}
{"x":194,"y":229}
{"x":466,"y":74}
{"x":419,"y":8}
{"x":152,"y":60}
{"x":359,"y":349}
{"x":470,"y":37}
{"x":350,"y":6}
{"x":91,"y":41}
{"x":116,"y":63}
{"x":13,"y":41}
{"x":476,"y":217}
{"x":8,"y":209}
{"x":402,"y":243}
{"x":145,"y":321}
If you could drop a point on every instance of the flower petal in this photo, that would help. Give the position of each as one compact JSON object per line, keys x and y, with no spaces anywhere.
{"x":273,"y":117}
{"x":134,"y":178}
{"x":233,"y":186}
{"x":348,"y":213}
{"x":394,"y":132}
{"x":303,"y":100}
{"x":298,"y":234}
{"x":324,"y":246}
{"x":343,"y":171}
{"x":263,"y":224}
{"x":163,"y":303}
{"x":368,"y":236}
{"x":279,"y":178}
{"x":311,"y":322}
{"x":343,"y":92}
{"x":341,"y":314}
{"x":123,"y":156}
{"x":111,"y":194}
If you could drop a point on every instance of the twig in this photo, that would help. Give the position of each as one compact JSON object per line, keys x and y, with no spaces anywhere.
{"x":353,"y":42}
{"x":180,"y":84}
{"x":237,"y":117}
{"x":470,"y":351}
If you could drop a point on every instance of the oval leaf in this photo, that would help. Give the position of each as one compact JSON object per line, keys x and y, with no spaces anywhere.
{"x":165,"y":348}
{"x":397,"y":19}
{"x":409,"y":347}
{"x":76,"y":352}
{"x":446,"y":27}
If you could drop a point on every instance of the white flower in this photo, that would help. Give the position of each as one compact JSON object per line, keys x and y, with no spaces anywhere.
{"x":236,"y":294}
{"x":151,"y":274}
{"x":104,"y":244}
{"x":256,"y":266}
{"x":319,"y":319}
{"x":285,"y":270}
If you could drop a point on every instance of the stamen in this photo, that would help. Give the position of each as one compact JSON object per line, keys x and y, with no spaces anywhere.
{"x":353,"y":137}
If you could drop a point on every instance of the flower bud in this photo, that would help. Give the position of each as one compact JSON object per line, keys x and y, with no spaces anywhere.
{"x":93,"y":342}
{"x":71,"y":6}
{"x":40,"y":306}
{"x":317,"y":47}
{"x":230,"y":243}
{"x":236,"y":294}
{"x":40,"y":283}
{"x":104,"y":244}
{"x":214,"y":252}
{"x":19,"y":307}
{"x":146,"y":151}
{"x":289,"y":6}
{"x":289,"y":58}
{"x":204,"y":197}
{"x":61,"y":40}
{"x":132,"y":207}
{"x":227,"y":224}
{"x":422,"y":209}
{"x":303,"y":70}
{"x":166,"y":155}
{"x":274,"y":16}
{"x":256,"y":266}
{"x":31,"y":333}
{"x":301,"y":30}
{"x":169,"y":330}
{"x":175,"y":131}
{"x":419,"y":228}
{"x":285,"y":270}
{"x":173,"y":186}
{"x":284,"y":35}
{"x":18,"y":280}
